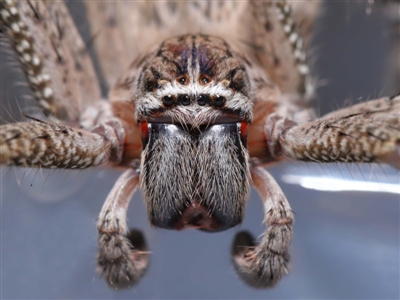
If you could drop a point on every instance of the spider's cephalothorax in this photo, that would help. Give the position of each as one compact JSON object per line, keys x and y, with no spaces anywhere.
{"x":193,"y":80}
{"x":193,"y":120}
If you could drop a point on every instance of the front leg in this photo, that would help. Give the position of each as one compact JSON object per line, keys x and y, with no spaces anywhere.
{"x":366,"y":132}
{"x":49,"y":145}
{"x":122,"y":259}
{"x":263,"y":265}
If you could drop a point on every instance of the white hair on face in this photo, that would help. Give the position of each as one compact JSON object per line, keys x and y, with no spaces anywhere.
{"x":195,"y":114}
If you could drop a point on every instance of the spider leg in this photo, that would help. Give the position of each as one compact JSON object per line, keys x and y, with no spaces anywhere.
{"x":52,"y":55}
{"x":263,"y":265}
{"x":366,"y":132}
{"x":122,"y":257}
{"x":51,"y":145}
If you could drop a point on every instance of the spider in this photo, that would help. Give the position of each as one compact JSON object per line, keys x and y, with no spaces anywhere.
{"x":193,"y":118}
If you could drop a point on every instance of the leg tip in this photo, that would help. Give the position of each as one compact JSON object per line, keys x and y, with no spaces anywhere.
{"x":123,"y":261}
{"x":256,"y":266}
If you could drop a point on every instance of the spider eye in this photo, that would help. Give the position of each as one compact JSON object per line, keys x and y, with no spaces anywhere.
{"x":182,"y":80}
{"x":219,"y":101}
{"x":203,"y":100}
{"x":168,"y":100}
{"x":150,"y":85}
{"x":205,"y":79}
{"x":184,"y":99}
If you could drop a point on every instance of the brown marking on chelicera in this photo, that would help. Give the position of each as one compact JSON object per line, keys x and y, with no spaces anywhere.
{"x":196,"y":216}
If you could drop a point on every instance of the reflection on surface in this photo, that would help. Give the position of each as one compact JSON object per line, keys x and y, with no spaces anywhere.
{"x":343,"y":177}
{"x":345,"y":246}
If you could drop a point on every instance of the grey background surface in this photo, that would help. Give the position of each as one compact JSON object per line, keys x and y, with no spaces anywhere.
{"x":346,"y":244}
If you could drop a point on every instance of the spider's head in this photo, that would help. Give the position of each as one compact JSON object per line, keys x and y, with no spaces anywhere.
{"x":193,"y":80}
{"x":193,"y":100}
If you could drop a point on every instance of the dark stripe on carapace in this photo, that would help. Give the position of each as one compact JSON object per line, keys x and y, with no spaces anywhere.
{"x":185,"y":57}
{"x":220,"y":60}
{"x":237,"y":84}
{"x":155,"y":73}
{"x":160,"y":50}
{"x":228,"y":52}
{"x":177,"y":51}
{"x":205,"y":63}
{"x":145,"y":67}
{"x":179,"y":69}
{"x":194,"y":52}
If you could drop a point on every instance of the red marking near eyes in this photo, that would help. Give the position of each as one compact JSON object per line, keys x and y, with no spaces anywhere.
{"x":243,"y":130}
{"x":144,"y":130}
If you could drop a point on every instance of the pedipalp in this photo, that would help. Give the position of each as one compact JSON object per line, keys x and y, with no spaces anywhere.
{"x":123,"y":257}
{"x":264,"y":264}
